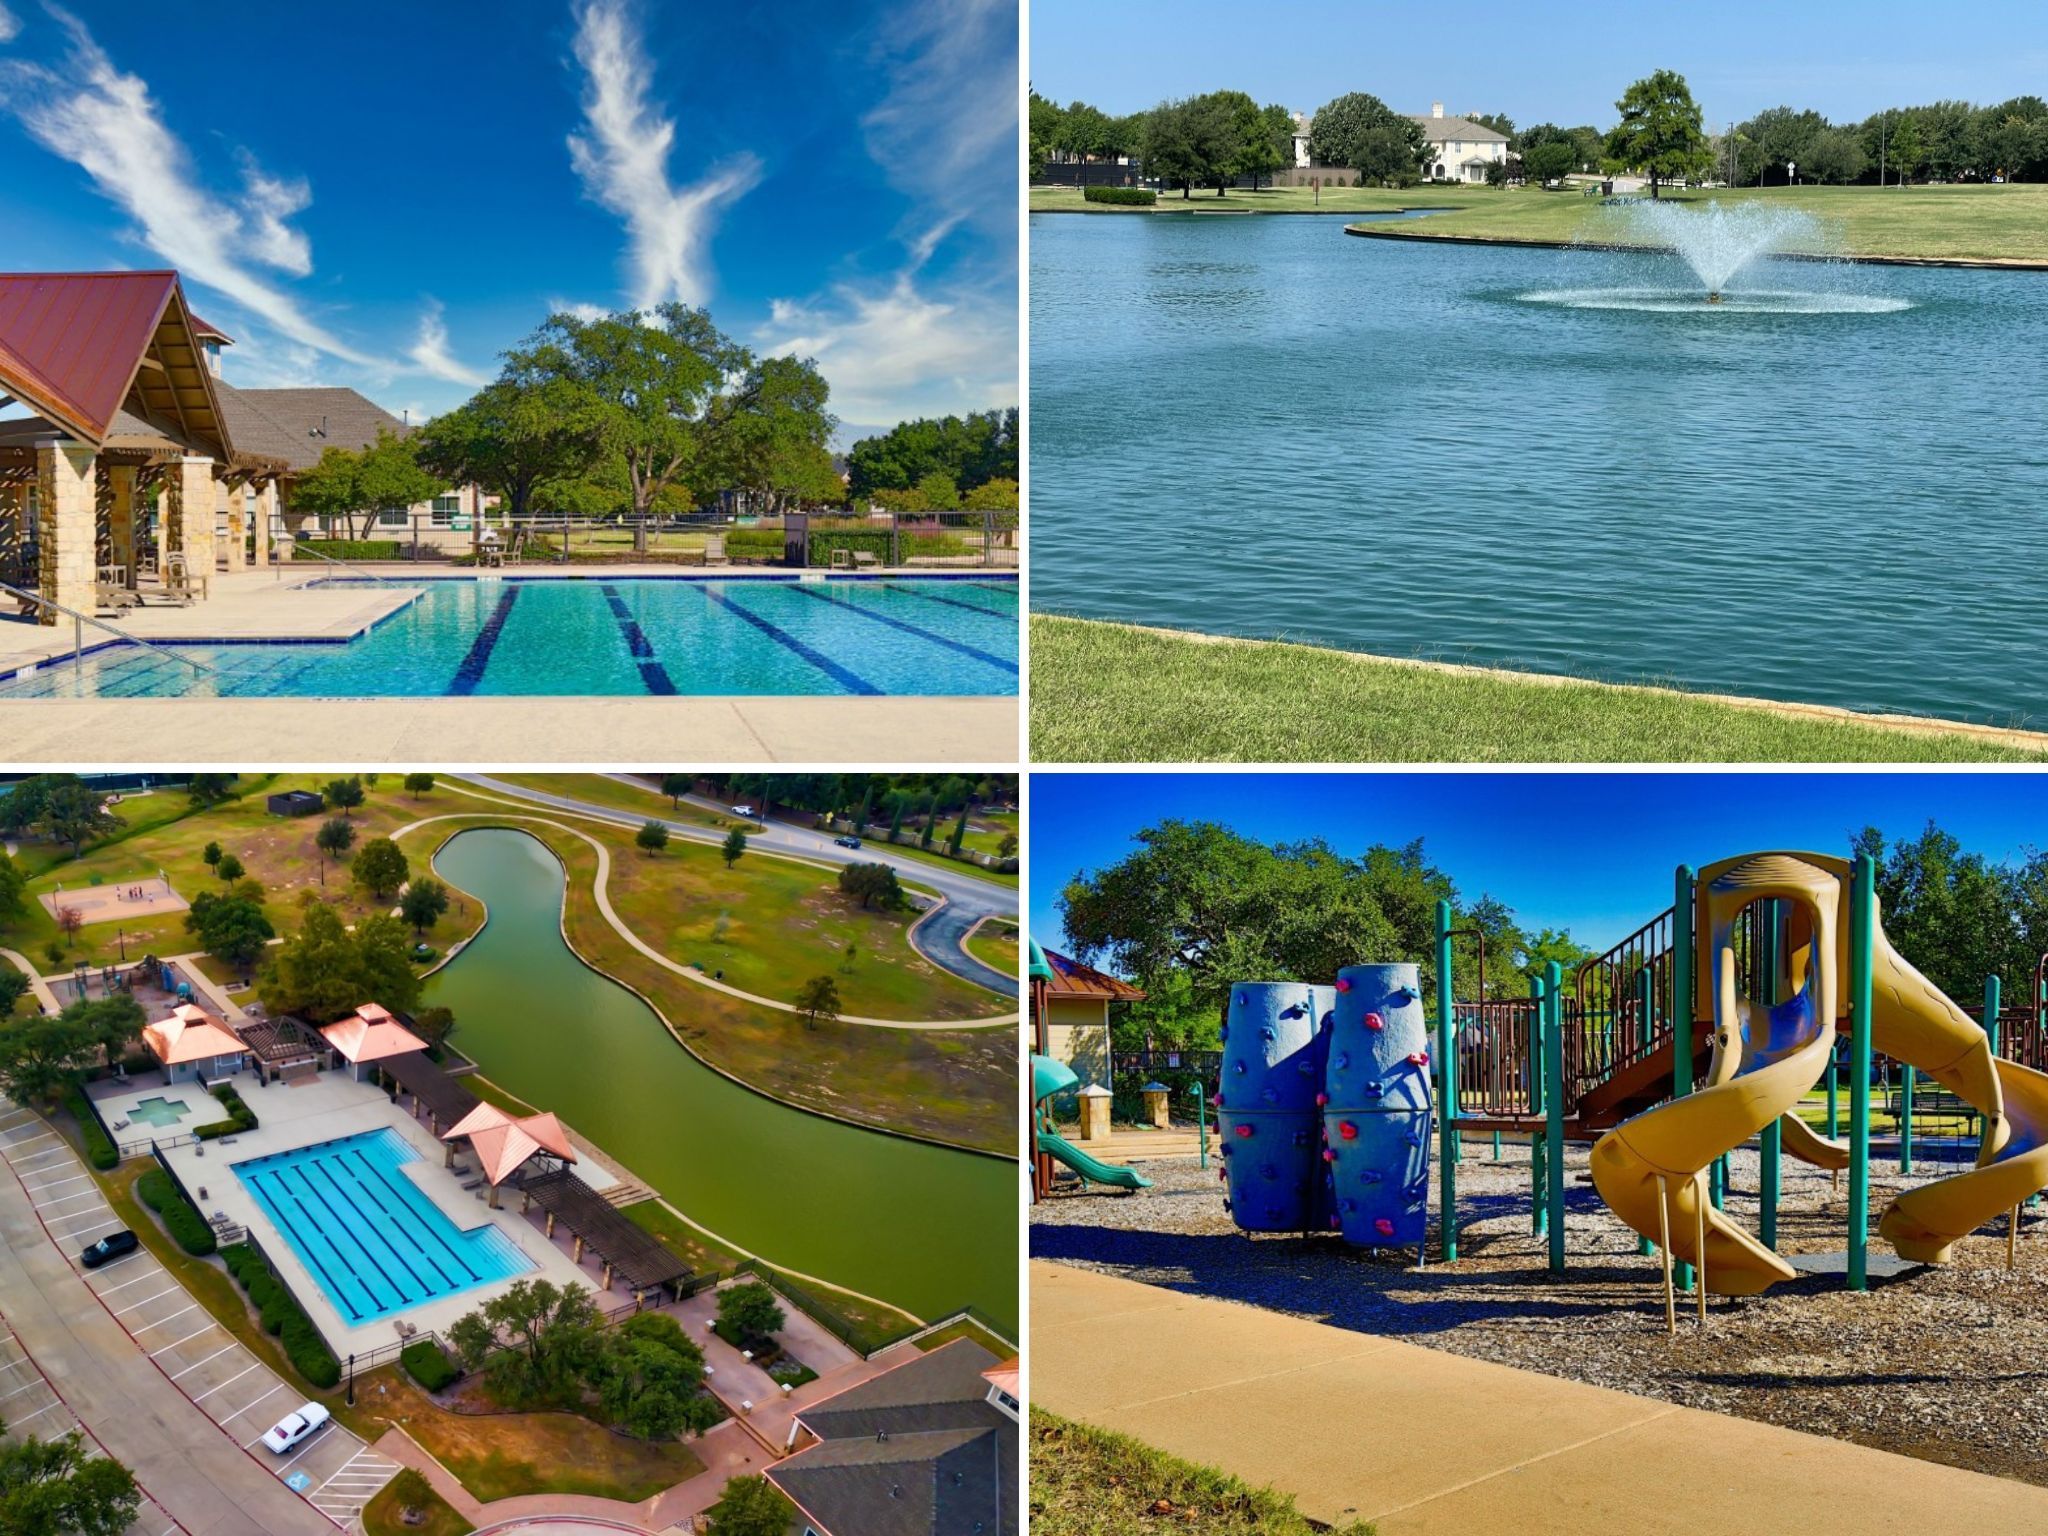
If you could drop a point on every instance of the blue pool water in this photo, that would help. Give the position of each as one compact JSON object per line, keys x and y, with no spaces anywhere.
{"x":587,"y":637}
{"x":373,"y":1241}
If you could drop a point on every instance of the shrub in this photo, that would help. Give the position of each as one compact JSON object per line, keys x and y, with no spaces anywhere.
{"x":240,"y":1116}
{"x":425,"y":1364}
{"x":281,"y":1315}
{"x":99,"y":1147}
{"x":873,"y":541}
{"x":352,"y":549}
{"x":181,"y":1219}
{"x":1130,"y":197}
{"x":754,"y":543}
{"x":309,"y":1353}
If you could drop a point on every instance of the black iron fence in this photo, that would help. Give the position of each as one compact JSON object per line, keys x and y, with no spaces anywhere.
{"x":1186,"y":1075}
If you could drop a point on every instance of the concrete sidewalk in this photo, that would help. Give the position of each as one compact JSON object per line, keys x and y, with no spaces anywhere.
{"x":1361,"y":1427}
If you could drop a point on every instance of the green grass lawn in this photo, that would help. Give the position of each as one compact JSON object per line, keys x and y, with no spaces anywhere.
{"x":165,"y":832}
{"x":994,"y":944}
{"x":599,"y":789}
{"x":878,"y":837}
{"x":1094,"y":1482}
{"x":966,"y":1329}
{"x":384,"y":1516}
{"x":1272,"y":200}
{"x":956,"y":1086}
{"x":1973,"y":223}
{"x":1109,"y":693}
{"x":672,"y":1232}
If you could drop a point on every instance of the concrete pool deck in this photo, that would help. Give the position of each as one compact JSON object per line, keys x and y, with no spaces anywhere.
{"x":324,"y":1109}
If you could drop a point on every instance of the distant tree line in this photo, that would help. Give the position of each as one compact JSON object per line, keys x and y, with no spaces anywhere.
{"x":938,"y":465}
{"x":1943,"y":141}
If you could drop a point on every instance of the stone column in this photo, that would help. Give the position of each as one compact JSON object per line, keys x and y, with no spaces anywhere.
{"x":66,"y":515}
{"x":266,"y":516}
{"x":238,"y":526}
{"x":192,"y":511}
{"x":121,"y":515}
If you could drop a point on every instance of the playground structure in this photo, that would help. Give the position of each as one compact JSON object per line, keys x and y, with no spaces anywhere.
{"x":1049,"y":1077}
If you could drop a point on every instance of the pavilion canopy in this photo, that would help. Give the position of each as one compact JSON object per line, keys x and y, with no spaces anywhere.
{"x":371,"y":1034}
{"x":190,"y":1034}
{"x":503,"y":1142}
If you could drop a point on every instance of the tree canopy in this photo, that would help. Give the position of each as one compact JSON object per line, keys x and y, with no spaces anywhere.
{"x":60,"y":1488}
{"x":325,"y":970}
{"x":1659,"y":133}
{"x":387,"y":475}
{"x":970,"y":451}
{"x":1362,"y":132}
{"x":511,"y":436}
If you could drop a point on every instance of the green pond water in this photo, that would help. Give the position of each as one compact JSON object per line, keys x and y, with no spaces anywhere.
{"x":918,"y":1226}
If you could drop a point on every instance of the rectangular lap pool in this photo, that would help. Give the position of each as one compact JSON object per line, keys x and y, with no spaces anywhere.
{"x":588,"y":636}
{"x":373,"y":1241}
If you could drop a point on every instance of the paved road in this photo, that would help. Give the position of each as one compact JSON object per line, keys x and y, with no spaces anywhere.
{"x":969,"y":898}
{"x":166,"y":1390}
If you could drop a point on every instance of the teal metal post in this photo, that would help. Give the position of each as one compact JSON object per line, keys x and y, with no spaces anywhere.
{"x":1907,"y":1079}
{"x":1771,"y":1142}
{"x":1202,"y":1121}
{"x":1992,"y":1002}
{"x":1447,"y":1087}
{"x":1553,"y":1112}
{"x":1834,"y":1103}
{"x":1682,"y":1004}
{"x":1646,"y":1000}
{"x":1862,"y":931}
{"x":1538,"y":1208}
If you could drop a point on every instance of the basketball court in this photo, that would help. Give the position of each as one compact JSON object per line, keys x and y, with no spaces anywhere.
{"x":123,"y":902}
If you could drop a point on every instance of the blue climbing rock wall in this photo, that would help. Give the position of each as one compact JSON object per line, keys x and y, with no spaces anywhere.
{"x":1376,"y":1121}
{"x":1267,"y":1112}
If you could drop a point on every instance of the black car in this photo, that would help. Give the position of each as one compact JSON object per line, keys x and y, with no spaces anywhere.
{"x":847,"y":842}
{"x":112,"y":1246}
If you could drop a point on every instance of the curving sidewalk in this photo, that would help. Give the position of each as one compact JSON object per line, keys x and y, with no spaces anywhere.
{"x":599,"y":888}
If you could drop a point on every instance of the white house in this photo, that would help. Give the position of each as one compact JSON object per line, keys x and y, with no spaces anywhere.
{"x":1461,"y":149}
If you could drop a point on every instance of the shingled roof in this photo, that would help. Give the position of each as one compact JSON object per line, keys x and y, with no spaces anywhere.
{"x":917,"y":1451}
{"x":298,"y":425}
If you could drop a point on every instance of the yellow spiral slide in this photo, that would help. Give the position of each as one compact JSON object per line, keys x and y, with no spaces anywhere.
{"x":1652,"y":1171}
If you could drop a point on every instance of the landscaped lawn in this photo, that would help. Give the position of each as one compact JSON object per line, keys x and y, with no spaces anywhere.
{"x":1976,"y":223}
{"x":166,"y":833}
{"x":679,"y":1237}
{"x":601,"y":789}
{"x":967,"y":1330}
{"x":950,"y":1085}
{"x":1093,"y":1482}
{"x":1112,"y":693}
{"x":994,"y":944}
{"x":382,"y":1516}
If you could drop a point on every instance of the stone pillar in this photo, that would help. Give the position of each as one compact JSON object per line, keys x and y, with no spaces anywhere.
{"x":238,"y":526}
{"x":493,"y":1201}
{"x":192,"y":512}
{"x":447,"y":1154}
{"x":606,"y":1283}
{"x":551,"y":1226}
{"x":525,"y":1200}
{"x":266,"y":518}
{"x":121,"y":515}
{"x":1095,"y":1102}
{"x":577,"y":1256}
{"x":66,"y":519}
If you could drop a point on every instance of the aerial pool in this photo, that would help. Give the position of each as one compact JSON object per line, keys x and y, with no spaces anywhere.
{"x":918,"y":1226}
{"x":374,"y":1242}
{"x":1823,"y":489}
{"x":590,"y":636}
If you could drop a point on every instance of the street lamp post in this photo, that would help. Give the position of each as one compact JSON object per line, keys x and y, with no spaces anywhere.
{"x":351,"y":1381}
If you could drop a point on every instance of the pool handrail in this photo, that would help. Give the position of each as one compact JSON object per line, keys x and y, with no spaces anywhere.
{"x":301,"y":549}
{"x":80,"y":620}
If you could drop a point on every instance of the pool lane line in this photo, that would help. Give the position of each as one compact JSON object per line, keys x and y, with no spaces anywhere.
{"x":355,"y":1249}
{"x":375,"y":1212}
{"x":373,"y":1223}
{"x":421,"y":1221}
{"x":929,"y":635}
{"x":905,"y":589}
{"x":361,"y":1236}
{"x":273,"y":1203}
{"x":471,"y":672}
{"x":653,"y":675}
{"x":853,"y":682}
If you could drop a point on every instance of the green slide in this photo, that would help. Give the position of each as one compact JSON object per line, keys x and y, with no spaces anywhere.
{"x":1086,"y":1166}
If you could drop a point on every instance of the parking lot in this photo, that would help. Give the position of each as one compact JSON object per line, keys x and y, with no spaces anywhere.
{"x":334,"y":1469}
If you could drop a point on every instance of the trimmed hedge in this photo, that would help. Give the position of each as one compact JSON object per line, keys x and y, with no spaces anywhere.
{"x":754,"y":543}
{"x":282,"y":1316}
{"x":352,"y":549}
{"x":100,"y":1150}
{"x":240,"y":1116}
{"x":181,"y":1219}
{"x":1130,"y":197}
{"x":426,"y":1364}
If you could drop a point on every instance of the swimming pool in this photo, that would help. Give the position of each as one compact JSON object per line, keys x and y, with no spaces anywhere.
{"x":373,"y":1241}
{"x":589,"y":636}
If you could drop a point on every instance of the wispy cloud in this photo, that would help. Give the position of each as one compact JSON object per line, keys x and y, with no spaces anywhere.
{"x":622,"y":154}
{"x":945,"y":126}
{"x":10,"y":25}
{"x":430,"y":351}
{"x":84,"y":109}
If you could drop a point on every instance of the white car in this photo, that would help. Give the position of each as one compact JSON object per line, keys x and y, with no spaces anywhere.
{"x":295,"y":1428}
{"x":742,"y":810}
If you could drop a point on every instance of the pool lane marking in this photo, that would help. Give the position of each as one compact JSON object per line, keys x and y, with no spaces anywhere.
{"x":905,"y":589}
{"x":365,"y":1231}
{"x":471,"y":672}
{"x":853,"y":682}
{"x":387,"y":1217}
{"x":930,"y":635}
{"x":355,"y":1237}
{"x":653,"y":675}
{"x":310,"y":1223}
{"x":427,"y":1226}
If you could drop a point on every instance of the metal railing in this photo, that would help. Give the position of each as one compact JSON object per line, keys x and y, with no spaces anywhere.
{"x":80,"y":620}
{"x":302,"y":549}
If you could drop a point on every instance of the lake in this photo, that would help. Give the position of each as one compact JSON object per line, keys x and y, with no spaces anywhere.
{"x":1827,"y":489}
{"x":919,"y":1226}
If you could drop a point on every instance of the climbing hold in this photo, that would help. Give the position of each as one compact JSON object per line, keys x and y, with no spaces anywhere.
{"x":1343,"y":983}
{"x":1242,"y":1130}
{"x":1237,"y":1067}
{"x":1374,"y":1022}
{"x":1334,"y":1223}
{"x":1384,"y":1227}
{"x":1329,"y":1156}
{"x":1343,"y":1061}
{"x":1418,"y":1059}
{"x":1347,"y":1130}
{"x":1322,"y":1099}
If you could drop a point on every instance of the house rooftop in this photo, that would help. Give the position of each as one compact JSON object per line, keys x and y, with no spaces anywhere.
{"x":190,"y":1034}
{"x":1070,"y":978}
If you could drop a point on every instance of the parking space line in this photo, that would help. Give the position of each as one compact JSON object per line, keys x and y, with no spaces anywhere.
{"x":131,"y":1280}
{"x":202,"y":1397}
{"x":168,"y":1317}
{"x":15,"y":1424}
{"x":37,"y":1189}
{"x":231,"y":1344}
{"x":176,"y":1342}
{"x":25,"y":1387}
{"x":83,"y":1194}
{"x":68,"y":1222}
{"x":29,"y":1141}
{"x":152,"y":1296}
{"x":311,"y":1441}
{"x":266,"y":1397}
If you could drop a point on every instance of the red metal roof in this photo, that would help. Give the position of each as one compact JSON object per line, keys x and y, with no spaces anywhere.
{"x":70,"y":342}
{"x":1070,"y":978}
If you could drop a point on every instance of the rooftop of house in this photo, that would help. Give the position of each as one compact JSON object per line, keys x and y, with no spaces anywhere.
{"x":1439,"y":129}
{"x":298,"y":425}
{"x":1070,"y":978}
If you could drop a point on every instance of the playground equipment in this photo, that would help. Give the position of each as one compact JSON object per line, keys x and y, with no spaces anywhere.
{"x":1049,"y":1077}
{"x":1268,"y":1106}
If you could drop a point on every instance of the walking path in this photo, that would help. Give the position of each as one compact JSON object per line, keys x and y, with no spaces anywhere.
{"x":1361,"y":1427}
{"x":600,"y":889}
{"x":166,"y":1390}
{"x":38,"y":988}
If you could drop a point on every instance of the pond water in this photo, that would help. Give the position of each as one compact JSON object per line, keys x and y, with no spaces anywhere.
{"x":919,"y":1226}
{"x":1829,"y":487}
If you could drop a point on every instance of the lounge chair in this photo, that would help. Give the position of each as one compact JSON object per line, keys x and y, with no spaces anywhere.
{"x":863,"y":558}
{"x":714,"y":549}
{"x":109,"y":597}
{"x":842,"y":559}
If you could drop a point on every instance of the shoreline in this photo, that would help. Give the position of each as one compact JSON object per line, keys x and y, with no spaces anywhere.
{"x":1968,"y":263}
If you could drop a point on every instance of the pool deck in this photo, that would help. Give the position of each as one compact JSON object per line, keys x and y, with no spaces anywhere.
{"x":470,"y":731}
{"x":324,"y":1109}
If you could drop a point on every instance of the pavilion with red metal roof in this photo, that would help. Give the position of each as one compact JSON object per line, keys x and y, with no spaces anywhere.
{"x":128,"y":454}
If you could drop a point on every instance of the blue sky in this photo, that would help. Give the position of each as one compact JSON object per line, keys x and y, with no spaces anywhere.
{"x":1593,"y":852}
{"x":1542,"y":60}
{"x":388,"y":195}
